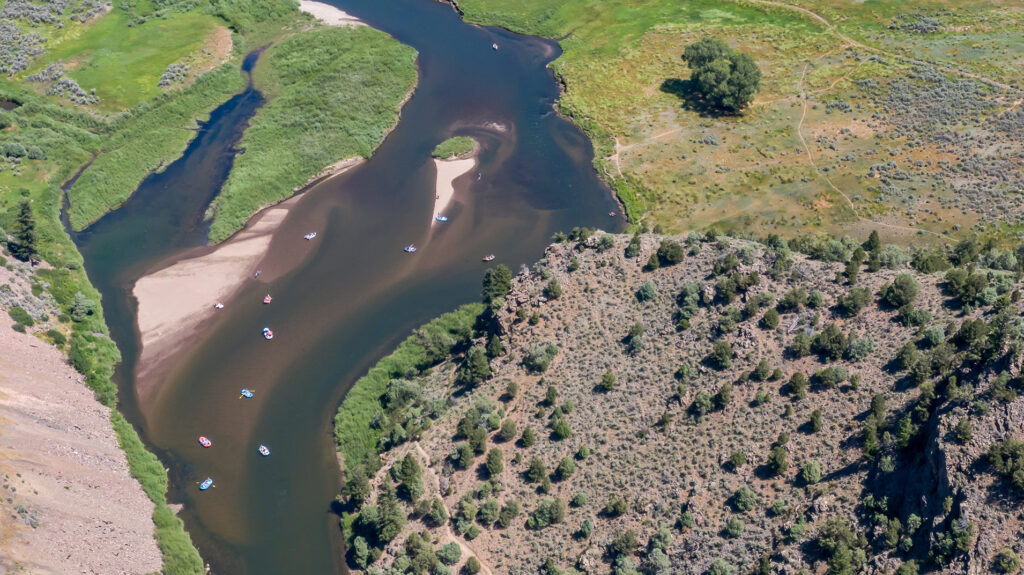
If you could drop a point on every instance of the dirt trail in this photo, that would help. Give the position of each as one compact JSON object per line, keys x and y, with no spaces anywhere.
{"x":945,"y":67}
{"x":434,"y":485}
{"x":846,"y":198}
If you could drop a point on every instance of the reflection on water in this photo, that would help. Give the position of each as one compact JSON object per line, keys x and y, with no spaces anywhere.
{"x":343,"y":299}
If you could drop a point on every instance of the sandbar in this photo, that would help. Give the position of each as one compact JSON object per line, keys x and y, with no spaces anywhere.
{"x":329,"y":14}
{"x":174,"y":300}
{"x":444,"y":190}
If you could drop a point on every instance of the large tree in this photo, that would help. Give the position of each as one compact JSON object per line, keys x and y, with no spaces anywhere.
{"x":24,"y":245}
{"x":726,"y":79}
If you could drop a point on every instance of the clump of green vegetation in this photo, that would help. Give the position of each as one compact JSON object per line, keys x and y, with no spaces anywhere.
{"x":726,"y":78}
{"x":454,"y":147}
{"x":347,"y":82}
{"x":357,"y":438}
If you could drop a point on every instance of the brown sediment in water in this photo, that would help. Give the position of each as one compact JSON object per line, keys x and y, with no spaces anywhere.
{"x":176,"y":299}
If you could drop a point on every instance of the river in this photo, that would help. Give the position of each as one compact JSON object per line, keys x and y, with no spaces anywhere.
{"x":346,"y":298}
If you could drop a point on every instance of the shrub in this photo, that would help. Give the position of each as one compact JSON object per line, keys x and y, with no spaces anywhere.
{"x":902,"y":291}
{"x":734,"y":527}
{"x":550,"y":511}
{"x":449,"y":553}
{"x":719,"y":567}
{"x":495,"y":462}
{"x":616,"y":506}
{"x":1007,"y":561}
{"x":19,"y":315}
{"x":830,"y":342}
{"x":830,"y":377}
{"x":579,"y":500}
{"x":860,"y":348}
{"x":647,"y":292}
{"x":56,"y":337}
{"x":607,"y":381}
{"x":811,"y":472}
{"x":539,"y":357}
{"x":721,"y":355}
{"x":670,"y":253}
{"x":770,"y":319}
{"x":472,"y":566}
{"x":744,"y":499}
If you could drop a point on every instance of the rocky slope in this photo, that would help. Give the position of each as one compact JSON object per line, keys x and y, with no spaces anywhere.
{"x":69,"y":504}
{"x":668,"y":433}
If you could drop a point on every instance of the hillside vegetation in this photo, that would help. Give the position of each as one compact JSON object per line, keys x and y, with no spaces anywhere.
{"x":652,"y":404}
{"x":895,"y":116}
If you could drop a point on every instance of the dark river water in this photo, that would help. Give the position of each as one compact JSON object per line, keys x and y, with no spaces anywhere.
{"x":346,"y":298}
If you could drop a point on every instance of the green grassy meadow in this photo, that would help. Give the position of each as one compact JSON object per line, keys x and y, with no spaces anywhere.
{"x":124,"y":63}
{"x":677,"y":167}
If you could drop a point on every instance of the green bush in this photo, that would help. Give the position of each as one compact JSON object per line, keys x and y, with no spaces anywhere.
{"x":721,"y":354}
{"x":550,"y":511}
{"x":811,"y":472}
{"x":744,"y":499}
{"x":19,"y":315}
{"x":647,"y":292}
{"x":1007,"y":561}
{"x":453,"y":147}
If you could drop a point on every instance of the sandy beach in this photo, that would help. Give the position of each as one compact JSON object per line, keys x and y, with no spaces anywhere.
{"x":444,"y":190}
{"x":329,"y":14}
{"x":69,"y":502}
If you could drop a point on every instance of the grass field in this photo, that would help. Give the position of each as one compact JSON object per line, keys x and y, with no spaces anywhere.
{"x":124,"y":63}
{"x":802,"y":157}
{"x":332,"y":93}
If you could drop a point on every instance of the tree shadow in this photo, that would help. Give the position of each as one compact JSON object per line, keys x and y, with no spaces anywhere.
{"x":689,"y":94}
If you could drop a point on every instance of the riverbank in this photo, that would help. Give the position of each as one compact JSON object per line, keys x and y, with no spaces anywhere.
{"x":69,"y":502}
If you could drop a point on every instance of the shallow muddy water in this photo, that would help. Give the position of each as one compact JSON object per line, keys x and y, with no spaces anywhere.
{"x":344,"y":299}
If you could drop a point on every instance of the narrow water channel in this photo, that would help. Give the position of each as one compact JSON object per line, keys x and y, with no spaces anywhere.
{"x":345,"y":299}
